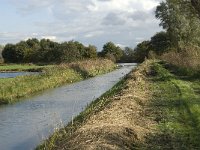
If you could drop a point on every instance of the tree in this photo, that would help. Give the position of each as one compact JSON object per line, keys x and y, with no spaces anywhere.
{"x":142,"y":51}
{"x":160,"y":43}
{"x":1,"y":49}
{"x":33,"y":51}
{"x":9,"y":53}
{"x":196,"y":5}
{"x":110,"y":50}
{"x":70,"y":51}
{"x":182,"y":26}
{"x":90,"y":52}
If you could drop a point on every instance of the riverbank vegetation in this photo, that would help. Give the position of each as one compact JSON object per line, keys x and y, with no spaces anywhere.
{"x":14,"y":88}
{"x":22,"y":67}
{"x":152,"y":108}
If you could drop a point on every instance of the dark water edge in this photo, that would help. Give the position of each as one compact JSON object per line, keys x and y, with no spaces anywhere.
{"x":16,"y":74}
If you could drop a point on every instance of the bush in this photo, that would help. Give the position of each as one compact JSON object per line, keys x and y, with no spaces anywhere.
{"x":189,"y":57}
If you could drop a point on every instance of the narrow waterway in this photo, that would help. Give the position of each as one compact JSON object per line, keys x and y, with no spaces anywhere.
{"x":25,"y":124}
{"x":15,"y":74}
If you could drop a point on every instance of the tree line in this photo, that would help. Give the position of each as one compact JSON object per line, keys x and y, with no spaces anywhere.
{"x":180,"y":20}
{"x":47,"y":51}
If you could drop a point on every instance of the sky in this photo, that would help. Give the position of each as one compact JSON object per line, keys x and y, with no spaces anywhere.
{"x":124,"y":22}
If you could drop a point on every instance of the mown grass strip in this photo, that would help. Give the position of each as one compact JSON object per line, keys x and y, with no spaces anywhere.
{"x":177,"y":100}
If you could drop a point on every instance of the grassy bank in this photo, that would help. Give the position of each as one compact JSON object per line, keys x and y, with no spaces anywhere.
{"x":177,"y":101}
{"x":14,"y":88}
{"x":22,"y":67}
{"x":154,"y":107}
{"x":104,"y":120}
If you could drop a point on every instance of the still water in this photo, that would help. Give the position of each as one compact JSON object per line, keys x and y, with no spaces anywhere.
{"x":25,"y":124}
{"x":15,"y":74}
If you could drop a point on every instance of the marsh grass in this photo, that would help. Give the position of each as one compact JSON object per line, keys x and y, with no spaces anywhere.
{"x":13,"y":89}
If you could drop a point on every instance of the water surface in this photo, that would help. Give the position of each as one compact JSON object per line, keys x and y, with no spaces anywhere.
{"x":25,"y":124}
{"x":15,"y":74}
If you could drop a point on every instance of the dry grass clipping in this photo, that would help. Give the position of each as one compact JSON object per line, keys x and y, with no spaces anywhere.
{"x":122,"y":124}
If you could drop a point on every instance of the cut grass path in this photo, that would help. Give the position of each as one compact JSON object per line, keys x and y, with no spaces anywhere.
{"x":177,"y":100}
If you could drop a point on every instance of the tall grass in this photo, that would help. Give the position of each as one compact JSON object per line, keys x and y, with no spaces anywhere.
{"x":13,"y":89}
{"x":93,"y":67}
{"x":189,"y":57}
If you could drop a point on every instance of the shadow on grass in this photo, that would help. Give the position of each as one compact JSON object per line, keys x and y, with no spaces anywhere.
{"x":178,"y":106}
{"x":182,"y":73}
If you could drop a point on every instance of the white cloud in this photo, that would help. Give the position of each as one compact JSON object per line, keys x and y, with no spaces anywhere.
{"x":50,"y":37}
{"x":92,"y":21}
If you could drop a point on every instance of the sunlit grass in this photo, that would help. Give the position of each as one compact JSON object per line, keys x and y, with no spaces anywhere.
{"x":177,"y":98}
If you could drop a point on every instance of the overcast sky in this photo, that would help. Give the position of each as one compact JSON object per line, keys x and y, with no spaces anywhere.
{"x":125,"y":22}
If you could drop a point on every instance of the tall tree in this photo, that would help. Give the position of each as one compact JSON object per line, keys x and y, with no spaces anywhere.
{"x":160,"y":43}
{"x":142,"y":51}
{"x":182,"y":27}
{"x":112,"y":51}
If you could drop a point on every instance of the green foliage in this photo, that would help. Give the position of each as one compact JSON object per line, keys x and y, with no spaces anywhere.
{"x":142,"y":51}
{"x":181,"y":23}
{"x":90,"y":52}
{"x":1,"y":48}
{"x":46,"y":51}
{"x":9,"y":53}
{"x":196,"y":5}
{"x":160,"y":43}
{"x":111,"y":51}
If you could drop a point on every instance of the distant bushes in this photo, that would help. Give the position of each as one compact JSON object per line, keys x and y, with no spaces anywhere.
{"x":46,"y":51}
{"x":189,"y":57}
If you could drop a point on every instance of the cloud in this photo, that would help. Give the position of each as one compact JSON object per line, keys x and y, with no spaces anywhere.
{"x":113,"y":19}
{"x":50,"y":37}
{"x":89,"y":21}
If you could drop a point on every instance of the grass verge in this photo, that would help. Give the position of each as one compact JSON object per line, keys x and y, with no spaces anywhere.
{"x":14,"y":88}
{"x":177,"y":101}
